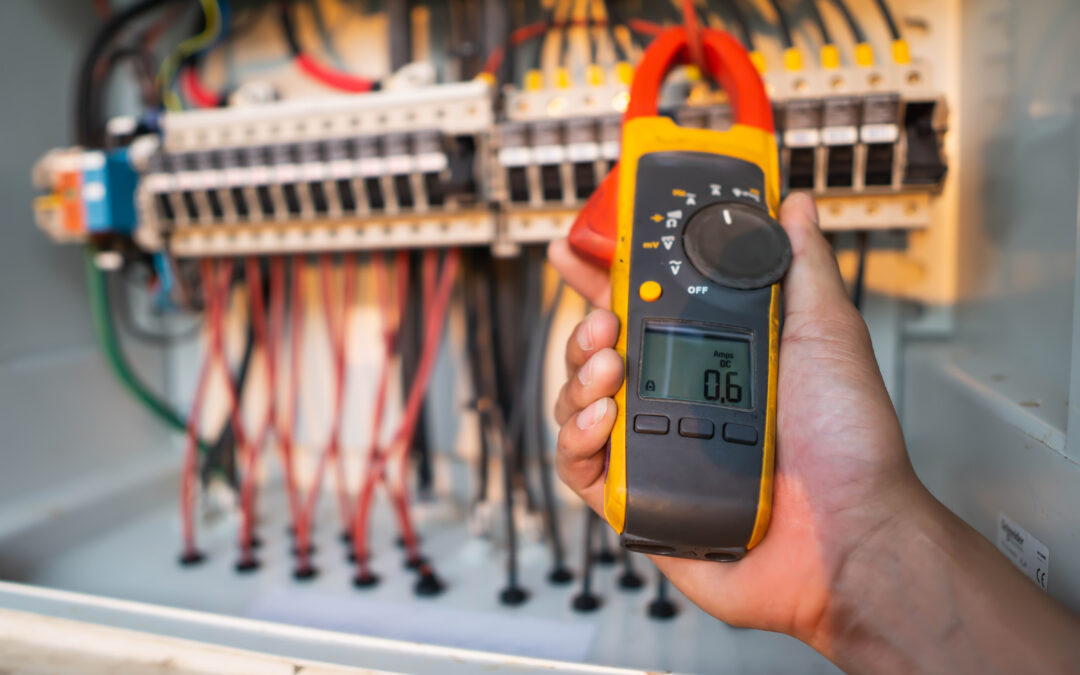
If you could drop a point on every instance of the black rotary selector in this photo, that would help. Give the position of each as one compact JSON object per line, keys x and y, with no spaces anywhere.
{"x":737,"y":245}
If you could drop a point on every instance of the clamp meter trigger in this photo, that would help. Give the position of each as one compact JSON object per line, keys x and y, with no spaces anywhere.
{"x":687,"y":224}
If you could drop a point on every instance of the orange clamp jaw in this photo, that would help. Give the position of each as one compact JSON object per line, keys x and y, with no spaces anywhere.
{"x":593,"y":235}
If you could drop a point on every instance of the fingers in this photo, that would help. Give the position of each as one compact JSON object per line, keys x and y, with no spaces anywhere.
{"x":599,"y":330}
{"x":590,"y":281}
{"x":600,"y":377}
{"x":813,"y":284}
{"x":580,"y":456}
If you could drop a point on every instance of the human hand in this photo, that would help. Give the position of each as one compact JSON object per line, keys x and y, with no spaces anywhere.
{"x":842,"y":471}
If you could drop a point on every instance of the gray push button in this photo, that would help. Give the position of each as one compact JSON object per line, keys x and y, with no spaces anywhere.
{"x":651,"y":424}
{"x":692,"y":427}
{"x":739,"y":433}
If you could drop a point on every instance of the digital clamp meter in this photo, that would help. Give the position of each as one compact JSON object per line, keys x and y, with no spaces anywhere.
{"x":687,"y":224}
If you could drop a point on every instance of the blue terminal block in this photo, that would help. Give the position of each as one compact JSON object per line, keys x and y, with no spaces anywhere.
{"x":108,"y":191}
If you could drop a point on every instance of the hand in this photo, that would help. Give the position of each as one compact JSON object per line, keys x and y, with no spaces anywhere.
{"x":842,"y":471}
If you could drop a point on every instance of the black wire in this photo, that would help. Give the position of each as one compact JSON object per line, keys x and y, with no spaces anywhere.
{"x":782,"y":23}
{"x":491,"y":418}
{"x":620,"y":51}
{"x":815,"y":14}
{"x":590,"y":557}
{"x":661,"y":587}
{"x":287,"y":27}
{"x":853,"y":24}
{"x":143,"y":65}
{"x":551,"y":509}
{"x":221,"y":456}
{"x":890,"y":20}
{"x":862,"y":244}
{"x":472,"y":270}
{"x":746,"y":36}
{"x":411,"y":337}
{"x":89,"y":129}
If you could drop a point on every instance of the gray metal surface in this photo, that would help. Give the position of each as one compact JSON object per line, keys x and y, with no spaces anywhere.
{"x":986,"y":415}
{"x":55,"y":391}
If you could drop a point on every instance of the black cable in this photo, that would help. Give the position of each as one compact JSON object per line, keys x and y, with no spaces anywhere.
{"x":662,"y":607}
{"x":288,"y":28}
{"x":620,"y":51}
{"x":474,"y":356}
{"x":746,"y":36}
{"x":492,"y":421}
{"x":586,"y":600}
{"x":617,"y":18}
{"x":629,"y":579}
{"x":143,"y":66}
{"x":783,"y":24}
{"x":890,"y":20}
{"x":862,"y":245}
{"x":411,"y":337}
{"x":559,"y":573}
{"x":815,"y":14}
{"x":89,"y":130}
{"x":856,"y":28}
{"x":221,"y":456}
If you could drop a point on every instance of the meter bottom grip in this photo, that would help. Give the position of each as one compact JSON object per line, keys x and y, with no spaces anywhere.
{"x":653,"y":547}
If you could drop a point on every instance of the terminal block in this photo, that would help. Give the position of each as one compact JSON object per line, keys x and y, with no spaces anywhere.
{"x":377,"y":170}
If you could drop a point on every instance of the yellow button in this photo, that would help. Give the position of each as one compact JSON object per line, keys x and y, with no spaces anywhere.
{"x":650,"y":291}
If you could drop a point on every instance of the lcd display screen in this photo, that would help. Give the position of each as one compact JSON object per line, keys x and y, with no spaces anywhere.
{"x":690,"y":363}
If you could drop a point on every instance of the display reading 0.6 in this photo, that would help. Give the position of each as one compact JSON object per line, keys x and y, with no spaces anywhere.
{"x":687,"y":363}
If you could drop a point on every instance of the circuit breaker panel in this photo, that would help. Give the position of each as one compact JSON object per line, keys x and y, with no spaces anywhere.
{"x":328,"y":219}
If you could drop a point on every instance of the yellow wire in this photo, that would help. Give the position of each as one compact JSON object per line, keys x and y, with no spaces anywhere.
{"x":167,"y":71}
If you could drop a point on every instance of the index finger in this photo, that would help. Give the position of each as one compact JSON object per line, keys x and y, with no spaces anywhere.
{"x":583,"y":276}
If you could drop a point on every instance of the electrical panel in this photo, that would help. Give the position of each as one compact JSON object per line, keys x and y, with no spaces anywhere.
{"x":332,"y":215}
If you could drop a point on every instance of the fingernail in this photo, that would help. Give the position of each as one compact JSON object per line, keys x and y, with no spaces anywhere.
{"x":584,"y":334}
{"x":591,"y":416}
{"x":584,"y":375}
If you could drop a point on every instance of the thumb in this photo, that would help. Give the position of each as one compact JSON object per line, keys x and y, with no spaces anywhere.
{"x":813,"y":284}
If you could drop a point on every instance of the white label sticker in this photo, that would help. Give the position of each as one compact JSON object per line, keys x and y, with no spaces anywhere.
{"x":839,"y":135}
{"x":515,"y":156}
{"x":1024,"y":550}
{"x":549,"y":154}
{"x":802,"y":138}
{"x":880,"y":133}
{"x":583,"y":152}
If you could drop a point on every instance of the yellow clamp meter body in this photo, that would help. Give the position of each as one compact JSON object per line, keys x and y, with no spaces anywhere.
{"x":695,"y":273}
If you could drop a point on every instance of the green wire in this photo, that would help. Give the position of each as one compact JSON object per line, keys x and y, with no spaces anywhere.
{"x":105,"y":332}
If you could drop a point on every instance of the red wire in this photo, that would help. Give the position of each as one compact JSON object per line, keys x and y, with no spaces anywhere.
{"x":332,"y":78}
{"x":644,"y":27}
{"x":215,"y":291}
{"x":332,"y":449}
{"x":263,"y":341}
{"x":391,"y":320}
{"x":288,"y":429}
{"x":336,"y":330}
{"x":693,"y":34}
{"x":194,"y":90}
{"x":402,"y":440}
{"x":273,"y":354}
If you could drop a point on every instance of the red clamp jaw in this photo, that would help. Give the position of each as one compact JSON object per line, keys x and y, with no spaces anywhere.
{"x":594,"y":233}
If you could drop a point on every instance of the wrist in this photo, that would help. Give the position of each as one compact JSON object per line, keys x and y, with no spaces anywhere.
{"x":875,"y":581}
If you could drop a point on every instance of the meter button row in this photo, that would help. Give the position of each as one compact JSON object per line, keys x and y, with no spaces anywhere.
{"x":651,"y":424}
{"x":740,"y":433}
{"x":692,"y":427}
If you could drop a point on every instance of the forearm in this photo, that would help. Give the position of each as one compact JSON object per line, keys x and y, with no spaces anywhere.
{"x":927,"y":593}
